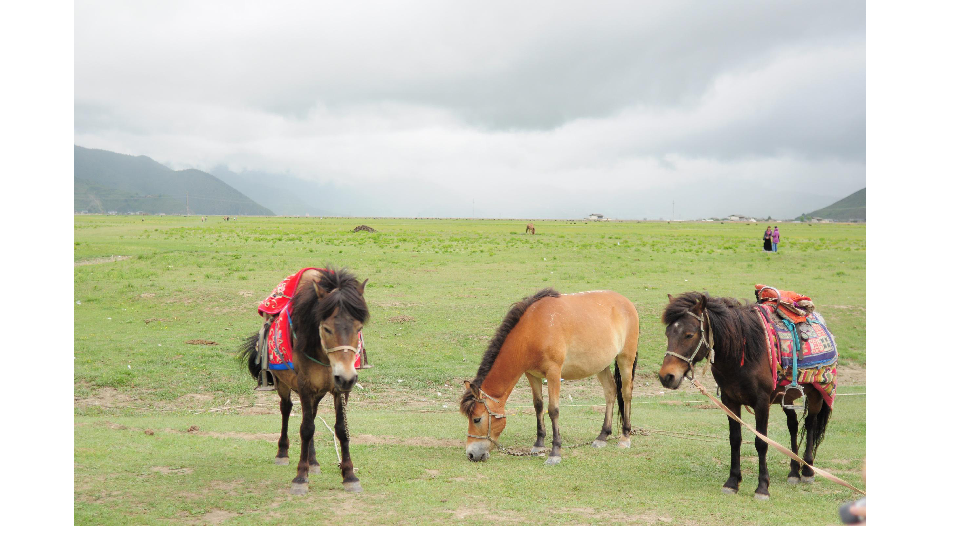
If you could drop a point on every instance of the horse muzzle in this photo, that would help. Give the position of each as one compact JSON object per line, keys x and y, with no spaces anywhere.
{"x":478,"y":451}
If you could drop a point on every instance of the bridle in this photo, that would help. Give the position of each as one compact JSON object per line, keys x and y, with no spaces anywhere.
{"x":323,"y":345}
{"x":483,"y":399}
{"x":708,"y":341}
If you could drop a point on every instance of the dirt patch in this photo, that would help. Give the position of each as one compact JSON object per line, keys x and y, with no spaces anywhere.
{"x":401,"y":319}
{"x":246,"y":294}
{"x":851,"y":375}
{"x":100,"y":260}
{"x":396,"y":304}
{"x":172,"y":470}
{"x":200,"y":342}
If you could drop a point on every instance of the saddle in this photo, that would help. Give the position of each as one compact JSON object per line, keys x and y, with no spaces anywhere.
{"x":802,"y":350}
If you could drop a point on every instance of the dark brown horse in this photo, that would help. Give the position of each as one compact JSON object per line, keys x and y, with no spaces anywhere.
{"x":550,"y":335}
{"x":699,"y":326}
{"x":328,"y":312}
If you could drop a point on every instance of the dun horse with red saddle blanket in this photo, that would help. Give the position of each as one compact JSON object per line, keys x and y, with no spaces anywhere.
{"x":777,"y":350}
{"x":311,"y":344}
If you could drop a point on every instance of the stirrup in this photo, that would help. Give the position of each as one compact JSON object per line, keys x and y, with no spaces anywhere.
{"x":265,"y":381}
{"x":794,"y":406}
{"x":364,"y":364}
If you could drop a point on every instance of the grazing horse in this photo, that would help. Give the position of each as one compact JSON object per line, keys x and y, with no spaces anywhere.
{"x":550,"y":335}
{"x":700,"y":326}
{"x":530,"y":229}
{"x":326,"y":320}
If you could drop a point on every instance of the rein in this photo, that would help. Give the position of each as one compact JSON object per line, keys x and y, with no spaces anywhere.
{"x":708,"y":341}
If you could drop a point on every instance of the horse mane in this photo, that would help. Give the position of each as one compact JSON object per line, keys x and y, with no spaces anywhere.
{"x":493,"y":349}
{"x":342,"y":291}
{"x":737,"y":332}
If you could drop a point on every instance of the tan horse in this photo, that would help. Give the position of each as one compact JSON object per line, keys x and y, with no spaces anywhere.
{"x":556,"y":336}
{"x":530,"y":229}
{"x":328,"y":313}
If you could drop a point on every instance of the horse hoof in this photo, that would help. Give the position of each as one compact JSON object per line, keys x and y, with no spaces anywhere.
{"x":553,"y":460}
{"x":624,"y":444}
{"x":807,"y":479}
{"x":761,"y":496}
{"x":352,"y":487}
{"x":299,"y":489}
{"x":314,"y":469}
{"x":281,"y":461}
{"x":538,"y":450}
{"x":793,"y":480}
{"x":599,"y":444}
{"x":728,"y":491}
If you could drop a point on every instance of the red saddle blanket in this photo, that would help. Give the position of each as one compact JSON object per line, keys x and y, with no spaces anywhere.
{"x":280,"y":336}
{"x":823,"y":377}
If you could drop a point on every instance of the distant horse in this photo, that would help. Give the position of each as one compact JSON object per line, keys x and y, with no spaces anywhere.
{"x":698,"y":325}
{"x":530,"y":229}
{"x":569,"y":336}
{"x":326,"y":320}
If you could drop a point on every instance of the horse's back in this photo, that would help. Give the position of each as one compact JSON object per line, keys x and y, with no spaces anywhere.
{"x":582,"y":331}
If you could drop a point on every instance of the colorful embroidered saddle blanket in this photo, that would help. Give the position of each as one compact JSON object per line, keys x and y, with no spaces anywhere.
{"x":279,"y":342}
{"x":817,"y":364}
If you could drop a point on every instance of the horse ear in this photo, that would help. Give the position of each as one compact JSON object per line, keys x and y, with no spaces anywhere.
{"x":669,"y":297}
{"x":362,"y":286}
{"x":701,"y":304}
{"x":472,"y":388}
{"x":320,"y":292}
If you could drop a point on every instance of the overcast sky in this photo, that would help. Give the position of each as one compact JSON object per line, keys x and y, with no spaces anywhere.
{"x":513,"y":109}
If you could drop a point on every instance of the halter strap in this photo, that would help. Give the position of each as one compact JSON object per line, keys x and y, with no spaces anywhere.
{"x":483,"y":399}
{"x":706,"y":338}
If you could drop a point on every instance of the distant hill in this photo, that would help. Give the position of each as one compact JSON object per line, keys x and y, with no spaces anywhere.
{"x":851,"y":208}
{"x":106,"y":181}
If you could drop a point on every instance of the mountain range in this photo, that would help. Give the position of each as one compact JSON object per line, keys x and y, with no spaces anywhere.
{"x":850,"y":208}
{"x":110,"y":182}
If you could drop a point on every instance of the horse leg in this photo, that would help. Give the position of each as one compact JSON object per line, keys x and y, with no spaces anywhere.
{"x":307,"y":428}
{"x":610,"y":395}
{"x":812,"y":430}
{"x":553,"y":409}
{"x":312,"y":457}
{"x":350,"y":480}
{"x":625,"y":369}
{"x":536,"y":386}
{"x":286,"y":405}
{"x":762,"y":412}
{"x":732,"y":485}
{"x":792,"y":425}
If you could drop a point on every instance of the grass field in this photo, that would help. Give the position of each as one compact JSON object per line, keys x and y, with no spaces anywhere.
{"x":168,"y":432}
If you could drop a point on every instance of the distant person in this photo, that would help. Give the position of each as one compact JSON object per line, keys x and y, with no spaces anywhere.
{"x":767,"y":235}
{"x":775,"y":238}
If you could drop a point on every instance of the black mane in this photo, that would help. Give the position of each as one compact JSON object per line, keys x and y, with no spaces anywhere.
{"x":493,"y":349}
{"x":342,"y":291}
{"x":737,"y":332}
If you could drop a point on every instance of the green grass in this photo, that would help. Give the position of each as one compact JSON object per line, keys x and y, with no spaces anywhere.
{"x":187,"y":280}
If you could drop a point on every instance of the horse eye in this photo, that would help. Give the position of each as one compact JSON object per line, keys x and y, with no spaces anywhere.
{"x":327,"y":330}
{"x":477,"y":420}
{"x":688,"y":336}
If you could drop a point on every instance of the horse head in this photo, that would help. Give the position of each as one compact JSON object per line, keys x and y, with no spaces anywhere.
{"x":685,"y":320}
{"x":331,"y":319}
{"x":486,"y":421}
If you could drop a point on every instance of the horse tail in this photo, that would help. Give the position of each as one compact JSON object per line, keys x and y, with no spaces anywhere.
{"x":618,"y":382}
{"x":248,"y":352}
{"x":823,"y":418}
